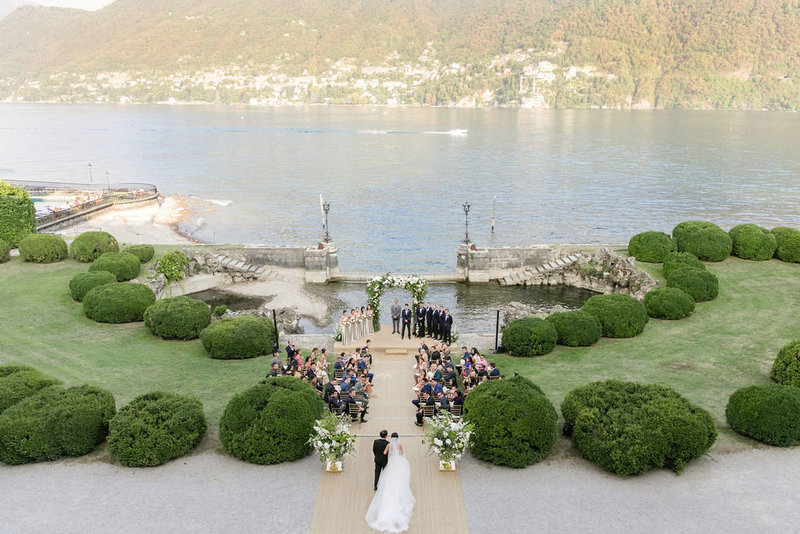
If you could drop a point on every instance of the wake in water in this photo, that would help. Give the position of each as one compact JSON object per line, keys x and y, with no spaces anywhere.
{"x":219,"y":202}
{"x":453,"y":132}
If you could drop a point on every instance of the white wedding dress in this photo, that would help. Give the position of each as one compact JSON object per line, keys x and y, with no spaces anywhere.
{"x":393,"y":503}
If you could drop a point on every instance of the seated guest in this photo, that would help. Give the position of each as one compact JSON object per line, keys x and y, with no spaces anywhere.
{"x":426,"y":399}
{"x":328,"y":390}
{"x":442,"y":403}
{"x":276,"y":358}
{"x":360,"y":387}
{"x":494,"y":371}
{"x":333,"y":401}
{"x":458,"y":398}
{"x":482,"y":372}
{"x":276,"y":369}
{"x":339,"y":364}
{"x":365,"y":351}
{"x":350,"y":400}
{"x":437,"y":387}
{"x":437,"y":372}
{"x":363,"y":367}
{"x":450,"y":377}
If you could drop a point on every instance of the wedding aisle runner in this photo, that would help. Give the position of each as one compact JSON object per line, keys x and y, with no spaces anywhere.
{"x":343,"y":498}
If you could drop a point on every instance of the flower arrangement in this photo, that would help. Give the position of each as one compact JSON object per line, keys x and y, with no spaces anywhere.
{"x":337,"y":334}
{"x":418,"y":287}
{"x":447,"y":438}
{"x":332,"y":439}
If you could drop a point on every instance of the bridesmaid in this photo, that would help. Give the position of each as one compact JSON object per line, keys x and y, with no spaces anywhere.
{"x":351,"y":327}
{"x":365,"y":324}
{"x":343,"y":327}
{"x":370,"y":327}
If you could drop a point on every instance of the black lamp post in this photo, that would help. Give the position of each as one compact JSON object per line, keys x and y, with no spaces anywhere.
{"x":326,"y":207}
{"x":466,"y":207}
{"x":91,"y":180}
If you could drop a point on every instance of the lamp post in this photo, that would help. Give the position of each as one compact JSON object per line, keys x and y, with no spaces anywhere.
{"x":326,"y":207}
{"x":91,"y":181}
{"x":466,"y":207}
{"x":108,"y":183}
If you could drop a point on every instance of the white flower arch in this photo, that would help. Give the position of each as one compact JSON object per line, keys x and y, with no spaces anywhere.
{"x":418,"y":287}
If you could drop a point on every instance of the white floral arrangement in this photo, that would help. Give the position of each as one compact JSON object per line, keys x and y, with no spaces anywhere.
{"x":337,"y":334}
{"x":332,"y":439}
{"x":446,"y":438}
{"x":418,"y":287}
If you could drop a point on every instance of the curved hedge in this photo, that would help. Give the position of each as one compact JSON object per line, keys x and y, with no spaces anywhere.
{"x":678,"y":260}
{"x":788,"y":244}
{"x":619,"y":315}
{"x":55,"y":422}
{"x":650,"y":247}
{"x":89,"y":246}
{"x":145,"y":253}
{"x":768,"y":413}
{"x":124,"y":265}
{"x":669,"y":303}
{"x":82,"y":283}
{"x":5,"y":251}
{"x":177,"y":318}
{"x":156,"y":428}
{"x":18,"y":382}
{"x":786,"y":367}
{"x":118,"y":303}
{"x":17,"y":214}
{"x":529,"y":336}
{"x":705,"y":240}
{"x":515,"y":424}
{"x":751,"y":242}
{"x":271,"y":422}
{"x":238,"y":338}
{"x":43,"y":248}
{"x":629,"y":428}
{"x":700,"y":284}
{"x":576,"y":328}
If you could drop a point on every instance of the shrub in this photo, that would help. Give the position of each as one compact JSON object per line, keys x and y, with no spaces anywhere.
{"x":145,"y":253}
{"x":628,"y":428}
{"x":177,"y":318}
{"x":5,"y":251}
{"x":18,"y":382}
{"x":619,"y":315}
{"x":271,"y":422}
{"x":82,"y":283}
{"x":55,"y":422}
{"x":118,"y":303}
{"x":220,"y":310}
{"x":678,"y":260}
{"x":786,"y":367}
{"x":576,"y":328}
{"x":705,"y":240}
{"x":124,"y":265}
{"x":788,"y":242}
{"x":89,"y":246}
{"x":156,"y":428}
{"x":530,"y":336}
{"x":700,"y":284}
{"x":650,"y":246}
{"x":751,"y":242}
{"x":668,"y":303}
{"x":238,"y":338}
{"x":515,"y":424}
{"x":171,"y":265}
{"x":17,"y":214}
{"x":767,"y":412}
{"x":43,"y":248}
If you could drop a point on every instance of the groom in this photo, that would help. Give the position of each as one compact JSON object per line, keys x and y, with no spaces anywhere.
{"x":381,"y":458}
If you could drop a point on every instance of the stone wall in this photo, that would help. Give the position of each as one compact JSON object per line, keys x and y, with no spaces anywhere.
{"x":485,"y":264}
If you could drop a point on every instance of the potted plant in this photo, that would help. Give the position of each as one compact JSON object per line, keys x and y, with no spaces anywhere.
{"x":333,"y":441}
{"x":447,"y":439}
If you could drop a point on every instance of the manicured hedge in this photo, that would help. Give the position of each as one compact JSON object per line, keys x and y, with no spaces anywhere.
{"x":156,"y":428}
{"x":238,"y":338}
{"x":42,"y":248}
{"x":678,"y":260}
{"x":55,"y":422}
{"x":705,"y":240}
{"x":700,"y":284}
{"x":124,"y":265}
{"x":668,"y":303}
{"x":767,"y":412}
{"x":18,"y":382}
{"x":82,"y":283}
{"x":118,"y":303}
{"x":515,"y":424}
{"x":220,"y":310}
{"x":576,"y":328}
{"x":529,"y":336}
{"x":5,"y":251}
{"x":619,"y":315}
{"x":145,"y":253}
{"x":271,"y":422}
{"x":650,"y":246}
{"x":629,"y":428}
{"x":786,"y":367}
{"x":788,"y":242}
{"x":177,"y":318}
{"x":751,"y":242}
{"x":89,"y":246}
{"x":17,"y":214}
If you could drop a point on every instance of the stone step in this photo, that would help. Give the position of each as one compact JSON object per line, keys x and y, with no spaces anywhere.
{"x":560,"y":263}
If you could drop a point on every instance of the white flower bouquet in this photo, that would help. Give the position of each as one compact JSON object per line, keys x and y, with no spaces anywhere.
{"x":332,"y":439}
{"x":446,"y":438}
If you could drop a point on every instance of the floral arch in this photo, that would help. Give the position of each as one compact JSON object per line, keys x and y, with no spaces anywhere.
{"x":418,"y":287}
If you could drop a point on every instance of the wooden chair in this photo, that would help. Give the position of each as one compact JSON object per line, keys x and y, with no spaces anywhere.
{"x":428,"y":410}
{"x":494,"y":377}
{"x":337,"y":375}
{"x":355,"y":411}
{"x":455,"y":411}
{"x":337,"y":410}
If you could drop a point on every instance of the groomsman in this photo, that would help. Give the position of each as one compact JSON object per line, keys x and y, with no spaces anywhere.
{"x":441,"y":323}
{"x":429,"y":318}
{"x":435,"y":324}
{"x":421,"y":320}
{"x":448,"y":326}
{"x":395,"y":317}
{"x":406,"y":317}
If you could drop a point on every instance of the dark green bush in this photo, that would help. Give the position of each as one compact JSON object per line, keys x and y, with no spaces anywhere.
{"x":705,"y":240}
{"x":668,"y":303}
{"x":5,"y":251}
{"x":678,"y":260}
{"x":650,"y":246}
{"x":18,"y":382}
{"x":55,"y":422}
{"x":629,"y":428}
{"x":576,"y":328}
{"x":515,"y":424}
{"x":768,"y":413}
{"x":620,"y":315}
{"x":788,"y":241}
{"x":751,"y":242}
{"x":145,"y":253}
{"x":171,"y":265}
{"x":786,"y":367}
{"x":17,"y":214}
{"x":177,"y":318}
{"x":238,"y":338}
{"x":118,"y":303}
{"x":156,"y":428}
{"x":42,"y":248}
{"x":89,"y":246}
{"x":530,"y":336}
{"x":220,"y":310}
{"x":124,"y":265}
{"x":82,"y":283}
{"x":271,"y":422}
{"x":700,"y":284}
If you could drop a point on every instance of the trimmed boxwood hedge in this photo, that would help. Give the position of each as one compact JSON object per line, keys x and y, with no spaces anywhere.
{"x":788,"y":244}
{"x":177,"y":318}
{"x":272,"y":421}
{"x":82,"y":283}
{"x":89,"y":246}
{"x":619,"y":315}
{"x":751,"y":242}
{"x":156,"y":428}
{"x":5,"y":251}
{"x":55,"y":422}
{"x":678,"y":260}
{"x":18,"y":382}
{"x":768,"y":412}
{"x":704,"y":239}
{"x":786,"y":367}
{"x":515,"y":424}
{"x":124,"y":265}
{"x":629,"y":428}
{"x":237,"y":338}
{"x":118,"y":303}
{"x":43,"y":248}
{"x":669,"y":303}
{"x":576,"y":328}
{"x":650,"y":247}
{"x":700,"y":284}
{"x":529,"y":336}
{"x":145,"y":253}
{"x":17,"y":214}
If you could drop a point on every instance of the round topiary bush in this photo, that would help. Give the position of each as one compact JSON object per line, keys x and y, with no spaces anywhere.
{"x":177,"y":318}
{"x":700,"y":284}
{"x":576,"y":328}
{"x":629,"y":428}
{"x":786,"y":367}
{"x":145,"y":253}
{"x":18,"y":382}
{"x":220,"y":310}
{"x":118,"y":303}
{"x":668,"y":303}
{"x":678,"y":260}
{"x":5,"y":251}
{"x":705,"y":240}
{"x":650,"y":246}
{"x":751,"y":242}
{"x":788,"y":244}
{"x":156,"y":428}
{"x":124,"y":265}
{"x":43,"y":248}
{"x":271,"y":422}
{"x":82,"y":283}
{"x":619,"y":315}
{"x":55,"y":422}
{"x":89,"y":246}
{"x":17,"y":214}
{"x":238,"y":338}
{"x":529,"y":336}
{"x":768,"y":413}
{"x":515,"y":424}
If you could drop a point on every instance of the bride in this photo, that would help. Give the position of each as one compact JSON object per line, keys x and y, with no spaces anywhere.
{"x":393,"y":503}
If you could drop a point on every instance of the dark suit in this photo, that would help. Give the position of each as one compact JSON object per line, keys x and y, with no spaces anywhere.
{"x":421,"y":321}
{"x":435,"y":325}
{"x":430,"y":402}
{"x":448,"y":327}
{"x":381,"y":459}
{"x":406,"y":317}
{"x":429,"y":320}
{"x":441,"y":325}
{"x":348,"y":400}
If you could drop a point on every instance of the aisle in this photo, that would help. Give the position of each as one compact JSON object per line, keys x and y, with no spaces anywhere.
{"x":343,"y":498}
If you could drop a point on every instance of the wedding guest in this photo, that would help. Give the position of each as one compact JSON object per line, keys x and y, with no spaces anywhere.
{"x":406,"y":317}
{"x":435,"y":323}
{"x":327,"y":391}
{"x":440,"y":329}
{"x":420,"y":320}
{"x":425,"y":389}
{"x":276,"y":358}
{"x":426,"y":399}
{"x":289,"y":351}
{"x":429,"y":318}
{"x":276,"y":370}
{"x":443,"y":402}
{"x":348,"y":400}
{"x":370,"y":315}
{"x":333,"y":401}
{"x":447,"y":324}
{"x":450,"y":377}
{"x":458,"y":398}
{"x":494,"y":371}
{"x":395,"y":310}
